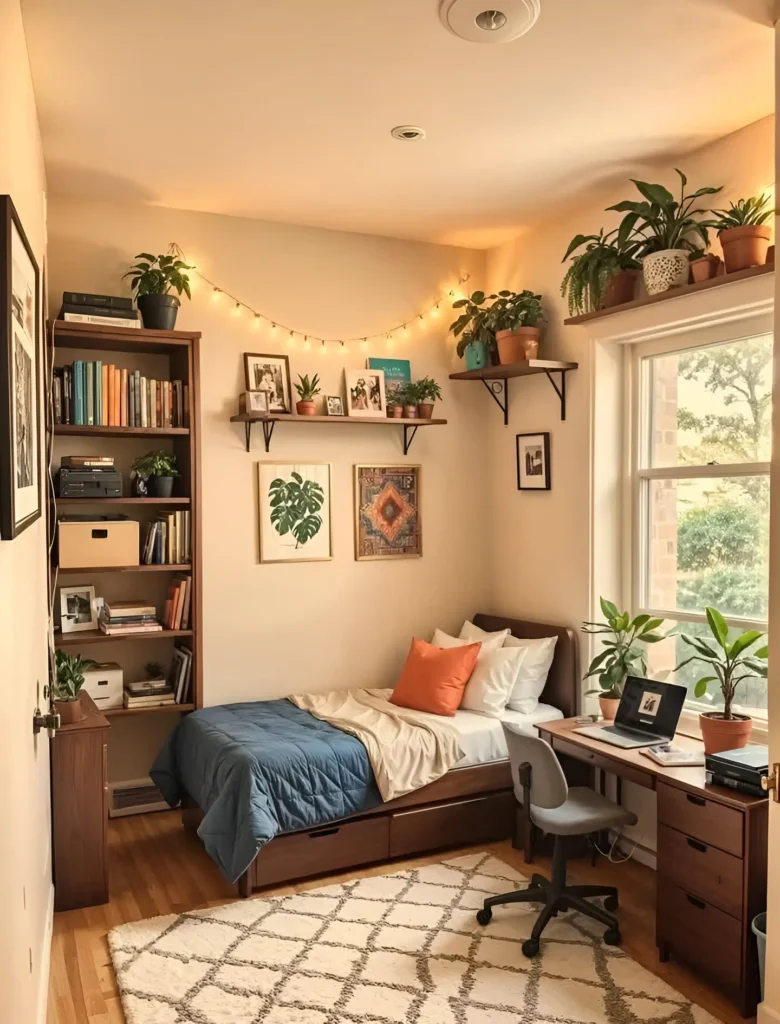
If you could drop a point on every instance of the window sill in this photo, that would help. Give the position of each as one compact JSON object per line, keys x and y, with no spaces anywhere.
{"x":689,"y":726}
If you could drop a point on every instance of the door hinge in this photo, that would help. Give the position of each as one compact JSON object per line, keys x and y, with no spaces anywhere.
{"x":772,"y":781}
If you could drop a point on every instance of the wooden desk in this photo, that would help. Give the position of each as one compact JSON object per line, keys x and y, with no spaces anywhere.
{"x":711,"y":860}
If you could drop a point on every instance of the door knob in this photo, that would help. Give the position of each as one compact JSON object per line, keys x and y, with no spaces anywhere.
{"x":772,"y":782}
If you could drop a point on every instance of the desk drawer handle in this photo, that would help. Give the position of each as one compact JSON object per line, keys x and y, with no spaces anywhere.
{"x":696,"y":845}
{"x":699,"y":904}
{"x":323,"y":832}
{"x":698,"y":800}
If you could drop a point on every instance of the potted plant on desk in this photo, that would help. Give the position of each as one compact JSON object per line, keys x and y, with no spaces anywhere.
{"x":153,"y":474}
{"x":621,"y":656}
{"x":729,"y":664}
{"x":68,"y":684}
{"x":307,"y":392}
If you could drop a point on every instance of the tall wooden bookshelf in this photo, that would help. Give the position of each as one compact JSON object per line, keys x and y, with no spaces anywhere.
{"x":171,"y":355}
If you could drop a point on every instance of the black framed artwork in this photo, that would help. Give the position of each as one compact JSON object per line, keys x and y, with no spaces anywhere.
{"x":533,"y":462}
{"x":20,"y":354}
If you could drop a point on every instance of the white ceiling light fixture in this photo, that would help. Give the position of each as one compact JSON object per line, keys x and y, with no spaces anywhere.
{"x":407,"y":132}
{"x":477,"y":22}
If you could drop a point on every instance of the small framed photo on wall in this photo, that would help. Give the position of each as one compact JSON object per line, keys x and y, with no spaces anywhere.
{"x":533,"y":462}
{"x":77,"y":609}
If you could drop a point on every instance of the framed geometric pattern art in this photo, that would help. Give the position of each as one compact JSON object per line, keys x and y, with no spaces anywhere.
{"x":388,"y":523}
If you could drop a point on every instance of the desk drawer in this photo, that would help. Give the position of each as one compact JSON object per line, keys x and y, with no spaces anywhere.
{"x":607,"y":764}
{"x":713,"y":823}
{"x":702,"y":870}
{"x":460,"y":821}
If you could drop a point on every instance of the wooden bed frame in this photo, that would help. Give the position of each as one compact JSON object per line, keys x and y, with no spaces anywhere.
{"x":463,"y":807}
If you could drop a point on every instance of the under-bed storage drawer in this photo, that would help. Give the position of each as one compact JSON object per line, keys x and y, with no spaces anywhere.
{"x":324,"y":849}
{"x":479,"y":820}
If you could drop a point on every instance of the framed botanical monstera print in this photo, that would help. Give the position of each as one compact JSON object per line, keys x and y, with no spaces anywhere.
{"x":295,"y":512}
{"x":387,"y":513}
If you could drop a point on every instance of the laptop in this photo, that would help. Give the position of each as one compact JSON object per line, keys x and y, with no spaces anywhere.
{"x":648,"y":714}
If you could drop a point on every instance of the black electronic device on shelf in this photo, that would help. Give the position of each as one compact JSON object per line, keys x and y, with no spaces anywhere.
{"x":740,"y":769}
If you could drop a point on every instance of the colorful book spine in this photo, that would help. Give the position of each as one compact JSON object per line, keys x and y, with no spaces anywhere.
{"x":90,"y":391}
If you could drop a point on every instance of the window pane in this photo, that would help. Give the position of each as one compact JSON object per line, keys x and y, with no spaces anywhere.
{"x":711,"y":404}
{"x":708,"y":544}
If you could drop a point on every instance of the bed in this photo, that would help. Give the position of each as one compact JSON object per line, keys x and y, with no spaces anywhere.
{"x":472,"y":802}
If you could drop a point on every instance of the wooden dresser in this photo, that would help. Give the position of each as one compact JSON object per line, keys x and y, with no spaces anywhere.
{"x":79,"y":796}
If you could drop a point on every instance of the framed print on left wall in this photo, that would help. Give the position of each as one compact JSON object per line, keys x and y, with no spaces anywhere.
{"x":20,"y":353}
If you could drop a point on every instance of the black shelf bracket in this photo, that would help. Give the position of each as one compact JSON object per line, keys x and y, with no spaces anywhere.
{"x":268,"y":433}
{"x":559,"y":391}
{"x":409,"y":433}
{"x":499,"y":392}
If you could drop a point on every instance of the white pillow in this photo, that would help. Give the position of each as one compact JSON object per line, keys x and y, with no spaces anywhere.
{"x":532,"y":674}
{"x":494,"y":675}
{"x":489,"y":641}
{"x":473,"y":633}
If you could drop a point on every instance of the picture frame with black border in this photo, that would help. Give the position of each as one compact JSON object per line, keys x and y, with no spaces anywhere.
{"x":533,"y":462}
{"x":334,"y":405}
{"x":78,"y":611}
{"x":270,"y":373}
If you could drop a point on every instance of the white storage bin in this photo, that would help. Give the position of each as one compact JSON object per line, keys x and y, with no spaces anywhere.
{"x":104,"y":684}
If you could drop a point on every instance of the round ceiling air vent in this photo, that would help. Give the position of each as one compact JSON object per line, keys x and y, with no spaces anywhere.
{"x":407,"y":132}
{"x":476,"y":22}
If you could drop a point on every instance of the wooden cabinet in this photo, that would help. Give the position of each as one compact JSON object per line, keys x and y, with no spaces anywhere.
{"x":79,"y":795}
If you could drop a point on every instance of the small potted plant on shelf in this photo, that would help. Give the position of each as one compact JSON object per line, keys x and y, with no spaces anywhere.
{"x":67,"y":685}
{"x":514,"y":319}
{"x":669,"y":229}
{"x":407,"y":396}
{"x":153,"y":280}
{"x":307,"y":392}
{"x":476,"y":341}
{"x":728,"y":664}
{"x":153,"y":474}
{"x":621,"y":656}
{"x":605,"y":274}
{"x":743,"y":232}
{"x":704,"y":265}
{"x":427,"y":391}
{"x":395,"y":409}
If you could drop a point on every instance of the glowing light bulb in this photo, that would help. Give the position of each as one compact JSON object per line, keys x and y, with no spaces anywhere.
{"x":323,"y":349}
{"x":364,"y":345}
{"x":435,"y":311}
{"x":405,"y":331}
{"x":237,"y":309}
{"x":345,"y":348}
{"x":257,"y":321}
{"x":307,"y":345}
{"x":389,"y":343}
{"x":422,"y":322}
{"x":215,"y":295}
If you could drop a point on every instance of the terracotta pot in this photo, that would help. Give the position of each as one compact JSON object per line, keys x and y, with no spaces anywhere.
{"x":305,"y":408}
{"x":425,"y":411}
{"x":745,"y":247}
{"x":770,"y":254}
{"x":395,"y":412}
{"x":410,"y":412}
{"x":705,"y":268}
{"x":620,"y":288}
{"x":665,"y":270}
{"x":70,"y":711}
{"x":719,"y":734}
{"x":513,"y":346}
{"x":609,"y":706}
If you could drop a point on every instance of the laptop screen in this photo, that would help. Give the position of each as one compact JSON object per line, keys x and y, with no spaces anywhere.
{"x":650,"y":706}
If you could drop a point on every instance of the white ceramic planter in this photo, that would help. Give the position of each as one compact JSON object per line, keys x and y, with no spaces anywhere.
{"x":665,"y":269}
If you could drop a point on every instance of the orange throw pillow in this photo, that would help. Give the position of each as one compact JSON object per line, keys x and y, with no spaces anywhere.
{"x":434,"y":678}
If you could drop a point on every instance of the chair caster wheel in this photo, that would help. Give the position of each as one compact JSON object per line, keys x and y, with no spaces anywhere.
{"x":612,"y":937}
{"x":530,"y":948}
{"x":611,"y":904}
{"x":484,"y":916}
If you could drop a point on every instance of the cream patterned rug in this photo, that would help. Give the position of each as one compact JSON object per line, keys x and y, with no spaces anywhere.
{"x":397,"y":949}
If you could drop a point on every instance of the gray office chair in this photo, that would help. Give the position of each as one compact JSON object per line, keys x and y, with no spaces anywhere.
{"x":562,"y":812}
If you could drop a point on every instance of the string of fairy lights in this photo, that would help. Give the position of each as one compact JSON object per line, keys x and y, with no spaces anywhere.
{"x":259,"y":320}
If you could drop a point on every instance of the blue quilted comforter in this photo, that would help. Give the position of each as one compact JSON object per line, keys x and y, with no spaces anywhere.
{"x":259,"y":769}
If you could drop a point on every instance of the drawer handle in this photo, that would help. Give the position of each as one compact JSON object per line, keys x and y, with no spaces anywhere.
{"x":698,"y":800}
{"x":699,"y":904}
{"x":324,"y":832}
{"x":696,"y":845}
{"x":99,"y":534}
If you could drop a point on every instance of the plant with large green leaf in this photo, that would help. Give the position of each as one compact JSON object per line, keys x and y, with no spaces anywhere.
{"x":70,"y":675}
{"x":158,"y":275}
{"x":511,"y":310}
{"x":295,"y":507}
{"x":622,"y":655}
{"x":605,"y":255}
{"x":728,"y":663}
{"x":471,"y":325}
{"x":744,"y":213}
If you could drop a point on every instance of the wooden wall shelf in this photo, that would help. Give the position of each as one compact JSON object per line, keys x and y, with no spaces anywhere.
{"x":269,"y":422}
{"x":496,"y":379}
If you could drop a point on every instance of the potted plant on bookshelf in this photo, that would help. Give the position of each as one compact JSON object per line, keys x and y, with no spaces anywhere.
{"x":153,"y":474}
{"x":307,"y":392}
{"x":728,"y":663}
{"x":622,"y":656}
{"x":743,"y":232}
{"x":605,"y":273}
{"x":427,"y":391}
{"x":514,"y":318}
{"x":68,"y":684}
{"x":153,"y":280}
{"x":476,"y":341}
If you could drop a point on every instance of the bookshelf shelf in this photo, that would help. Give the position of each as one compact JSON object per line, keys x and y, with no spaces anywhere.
{"x":78,"y":430}
{"x":127,"y":568}
{"x":97,"y":636}
{"x":269,"y":422}
{"x":150,"y":502}
{"x":161,"y":709}
{"x":64,"y":334}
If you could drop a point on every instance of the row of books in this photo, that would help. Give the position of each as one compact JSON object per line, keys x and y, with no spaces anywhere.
{"x":127,"y":618}
{"x":177,"y":604}
{"x":155,"y":693}
{"x":103,"y":395}
{"x":167,"y":540}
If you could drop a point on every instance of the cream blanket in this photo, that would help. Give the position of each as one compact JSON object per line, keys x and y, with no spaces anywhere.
{"x":407,"y":749}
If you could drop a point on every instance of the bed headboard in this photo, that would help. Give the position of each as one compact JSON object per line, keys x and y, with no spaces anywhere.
{"x":563,"y":682}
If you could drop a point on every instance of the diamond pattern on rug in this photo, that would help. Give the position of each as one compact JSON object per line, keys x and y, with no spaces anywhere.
{"x":403,"y":948}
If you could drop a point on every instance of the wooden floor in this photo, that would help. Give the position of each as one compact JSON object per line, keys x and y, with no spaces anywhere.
{"x":158,"y":868}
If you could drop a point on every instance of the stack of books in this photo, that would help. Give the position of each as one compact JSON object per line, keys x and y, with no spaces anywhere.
{"x":98,"y":394}
{"x":177,"y":604}
{"x":167,"y":540}
{"x":180,"y":674}
{"x":84,"y":308}
{"x":151,"y":693}
{"x":121,"y":618}
{"x":87,"y":462}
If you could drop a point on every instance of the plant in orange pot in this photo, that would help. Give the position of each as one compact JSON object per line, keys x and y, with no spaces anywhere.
{"x":514,"y":319}
{"x":622,"y":656}
{"x":729,"y":664}
{"x":67,"y":686}
{"x":307,"y":392}
{"x":743,"y":232}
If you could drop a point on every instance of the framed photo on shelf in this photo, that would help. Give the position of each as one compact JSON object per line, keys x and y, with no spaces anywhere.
{"x":20,"y":354}
{"x":388,"y":523}
{"x":254,"y":402}
{"x":269,"y":373}
{"x":77,"y":609}
{"x":295,"y":512}
{"x":533,"y":462}
{"x":365,"y":393}
{"x":334,"y":405}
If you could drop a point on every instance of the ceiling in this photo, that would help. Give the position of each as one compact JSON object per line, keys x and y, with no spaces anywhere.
{"x":282,"y":110}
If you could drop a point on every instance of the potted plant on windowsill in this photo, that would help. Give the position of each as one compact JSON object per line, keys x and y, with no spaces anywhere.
{"x":153,"y":280}
{"x":153,"y":474}
{"x":427,"y":392}
{"x":729,"y":664}
{"x":621,"y":656}
{"x":67,"y":685}
{"x":743,"y":232}
{"x":605,"y":274}
{"x":515,"y":318}
{"x":307,"y":392}
{"x":476,"y":341}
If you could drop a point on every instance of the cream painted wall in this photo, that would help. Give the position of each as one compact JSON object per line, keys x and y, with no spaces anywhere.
{"x":273,"y":629}
{"x":25,"y":851}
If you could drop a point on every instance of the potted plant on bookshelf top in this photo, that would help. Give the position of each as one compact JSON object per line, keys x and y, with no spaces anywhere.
{"x":728,"y":664}
{"x":605,"y":274}
{"x":153,"y":280}
{"x":621,"y":656}
{"x":515,"y":318}
{"x":476,"y":340}
{"x":153,"y":473}
{"x":307,"y":392}
{"x":427,"y":391}
{"x":67,"y":685}
{"x":743,"y":232}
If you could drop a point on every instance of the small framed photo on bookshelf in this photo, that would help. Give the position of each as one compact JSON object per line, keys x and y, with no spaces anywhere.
{"x":365,"y":392}
{"x":271,"y":374}
{"x":334,"y":405}
{"x":77,"y":609}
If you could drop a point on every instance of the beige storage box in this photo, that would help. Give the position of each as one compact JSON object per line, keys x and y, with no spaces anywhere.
{"x":98,"y":542}
{"x":104,"y":685}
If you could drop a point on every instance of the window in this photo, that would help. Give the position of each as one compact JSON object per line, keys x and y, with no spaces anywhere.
{"x":700,"y":534}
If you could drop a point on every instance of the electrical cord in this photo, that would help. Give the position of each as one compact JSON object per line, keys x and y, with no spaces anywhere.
{"x":610,"y":853}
